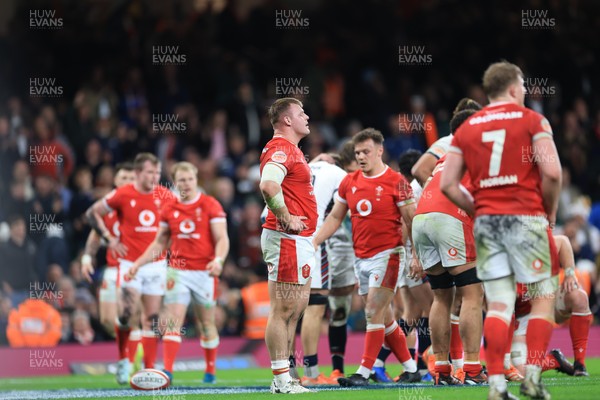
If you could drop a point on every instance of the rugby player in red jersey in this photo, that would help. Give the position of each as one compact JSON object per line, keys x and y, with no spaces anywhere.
{"x":108,"y":290}
{"x":507,"y":194}
{"x":286,"y":240}
{"x":377,"y":198}
{"x":138,"y":208}
{"x":443,"y":235}
{"x":196,"y":227}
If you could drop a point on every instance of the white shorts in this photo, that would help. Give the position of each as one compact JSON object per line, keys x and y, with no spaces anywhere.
{"x":341,"y":267}
{"x":320,"y":274}
{"x":183,"y":286}
{"x":108,"y":289}
{"x":515,"y":244}
{"x":403,"y":279}
{"x":381,"y":270}
{"x":289,"y":258}
{"x":442,"y":238}
{"x":150,"y":280}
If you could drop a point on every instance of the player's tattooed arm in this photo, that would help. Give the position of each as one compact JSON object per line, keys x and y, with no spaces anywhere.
{"x":94,"y":216}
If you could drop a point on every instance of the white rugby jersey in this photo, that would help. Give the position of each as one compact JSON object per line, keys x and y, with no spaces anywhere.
{"x":326,"y":181}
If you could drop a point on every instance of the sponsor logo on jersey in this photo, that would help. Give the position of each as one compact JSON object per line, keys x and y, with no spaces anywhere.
{"x":187,"y":226}
{"x":147,"y":219}
{"x":279,"y":157}
{"x":364,"y":207}
{"x":499,"y":116}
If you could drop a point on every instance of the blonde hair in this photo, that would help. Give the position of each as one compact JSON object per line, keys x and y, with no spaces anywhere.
{"x":499,"y":76}
{"x":183,"y":166}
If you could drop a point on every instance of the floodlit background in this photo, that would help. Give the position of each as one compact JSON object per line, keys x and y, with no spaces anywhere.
{"x":88,"y":84}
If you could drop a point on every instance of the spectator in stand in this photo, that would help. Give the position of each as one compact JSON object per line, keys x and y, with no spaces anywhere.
{"x":17,"y":201}
{"x":94,"y":156}
{"x":569,"y":194}
{"x":8,"y":152}
{"x":66,"y":330}
{"x":104,"y":181}
{"x":47,"y":155}
{"x":5,"y":306}
{"x":79,"y":126}
{"x":82,"y":331}
{"x":83,"y":198}
{"x":17,"y":261}
{"x":249,"y":251}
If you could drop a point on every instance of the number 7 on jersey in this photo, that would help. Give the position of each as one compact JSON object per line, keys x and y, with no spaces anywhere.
{"x":497,"y":137}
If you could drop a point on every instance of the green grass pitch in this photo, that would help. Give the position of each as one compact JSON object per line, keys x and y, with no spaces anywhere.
{"x":253,"y":384}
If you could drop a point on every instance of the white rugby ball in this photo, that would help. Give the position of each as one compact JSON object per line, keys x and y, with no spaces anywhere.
{"x":149,"y":379}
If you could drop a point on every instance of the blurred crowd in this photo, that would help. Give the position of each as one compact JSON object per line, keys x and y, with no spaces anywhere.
{"x":58,"y":153}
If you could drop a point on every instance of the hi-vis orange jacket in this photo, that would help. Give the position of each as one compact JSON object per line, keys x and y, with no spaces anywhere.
{"x":256,"y":308}
{"x":34,"y":324}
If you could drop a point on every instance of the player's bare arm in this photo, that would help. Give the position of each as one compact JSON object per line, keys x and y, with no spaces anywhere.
{"x":567,"y":262}
{"x":92,"y":245}
{"x":454,"y":169}
{"x":152,"y":252}
{"x":221,"y":240}
{"x":551,"y":172}
{"x":423,"y":168}
{"x":408,"y":213}
{"x":331,"y":223}
{"x":94,"y":216}
{"x":270,"y":188}
{"x":323,"y":157}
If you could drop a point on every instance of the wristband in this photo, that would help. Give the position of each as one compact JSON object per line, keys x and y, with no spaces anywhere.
{"x":570,"y":271}
{"x":219,"y":260}
{"x":86,"y":259}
